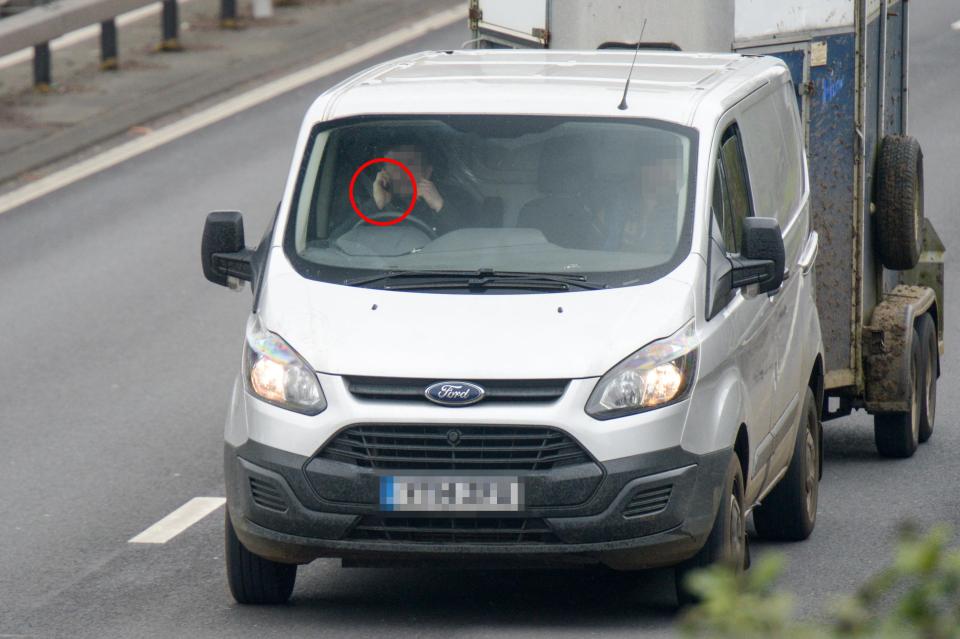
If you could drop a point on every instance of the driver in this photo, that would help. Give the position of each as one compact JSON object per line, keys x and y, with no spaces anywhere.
{"x":441,"y":206}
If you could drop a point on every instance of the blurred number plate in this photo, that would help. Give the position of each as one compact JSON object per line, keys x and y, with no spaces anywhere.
{"x":451,"y":494}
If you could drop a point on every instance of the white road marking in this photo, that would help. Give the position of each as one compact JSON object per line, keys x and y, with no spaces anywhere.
{"x":225,"y":109}
{"x":955,"y":26}
{"x":86,"y":33}
{"x":179,"y":520}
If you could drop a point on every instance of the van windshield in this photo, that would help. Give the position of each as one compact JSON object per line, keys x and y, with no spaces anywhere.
{"x":609,"y":200}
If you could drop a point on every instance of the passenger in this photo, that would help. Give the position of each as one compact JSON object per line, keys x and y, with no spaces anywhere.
{"x":642,"y":213}
{"x":443,"y":207}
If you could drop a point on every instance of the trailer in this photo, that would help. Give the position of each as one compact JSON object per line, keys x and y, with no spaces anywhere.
{"x":880,"y":267}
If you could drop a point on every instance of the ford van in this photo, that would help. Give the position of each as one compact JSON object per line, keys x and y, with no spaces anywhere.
{"x":516,"y":309}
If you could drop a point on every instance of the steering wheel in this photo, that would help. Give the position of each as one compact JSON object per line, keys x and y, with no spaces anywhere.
{"x":392,"y":215}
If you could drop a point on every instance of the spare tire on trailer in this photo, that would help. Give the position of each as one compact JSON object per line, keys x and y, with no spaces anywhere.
{"x":898,"y":228}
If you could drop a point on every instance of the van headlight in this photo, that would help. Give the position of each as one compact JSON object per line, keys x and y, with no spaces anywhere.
{"x":275,"y":373}
{"x":659,"y":374}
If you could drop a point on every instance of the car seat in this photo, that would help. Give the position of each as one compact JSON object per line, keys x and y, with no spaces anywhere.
{"x":561,"y":213}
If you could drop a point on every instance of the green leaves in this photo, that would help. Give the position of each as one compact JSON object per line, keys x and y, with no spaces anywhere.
{"x":916,"y":596}
{"x":740,"y":605}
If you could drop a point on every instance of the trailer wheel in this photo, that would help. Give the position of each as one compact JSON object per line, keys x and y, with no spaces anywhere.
{"x":927,"y":331}
{"x":897,"y":434}
{"x":899,"y":202}
{"x":253,"y":579}
{"x":789,"y":512}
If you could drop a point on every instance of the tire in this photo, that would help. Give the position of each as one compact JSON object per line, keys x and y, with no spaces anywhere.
{"x":898,"y":434}
{"x":727,"y":542}
{"x":930,"y":360}
{"x":789,"y":512}
{"x":899,"y":202}
{"x":253,"y":579}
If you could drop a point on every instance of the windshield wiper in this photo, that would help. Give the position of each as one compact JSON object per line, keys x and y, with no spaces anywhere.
{"x":481,"y":278}
{"x":478,"y":284}
{"x":391,"y":275}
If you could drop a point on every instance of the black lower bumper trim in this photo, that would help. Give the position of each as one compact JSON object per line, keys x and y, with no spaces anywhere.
{"x":476,"y":530}
{"x":677,"y":493}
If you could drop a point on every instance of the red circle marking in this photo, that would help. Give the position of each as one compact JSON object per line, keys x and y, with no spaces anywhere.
{"x":413,"y":198}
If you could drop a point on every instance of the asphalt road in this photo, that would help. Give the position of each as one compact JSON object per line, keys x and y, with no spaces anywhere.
{"x":117,"y":360}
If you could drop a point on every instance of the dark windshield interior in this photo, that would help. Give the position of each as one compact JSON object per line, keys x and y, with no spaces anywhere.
{"x":606,"y":197}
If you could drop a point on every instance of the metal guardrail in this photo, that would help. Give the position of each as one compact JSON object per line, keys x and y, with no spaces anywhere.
{"x":38,"y":26}
{"x":13,"y":7}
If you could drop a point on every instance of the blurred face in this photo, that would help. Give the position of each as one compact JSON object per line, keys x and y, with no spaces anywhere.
{"x":414,"y":160}
{"x":654,"y":182}
{"x":658,"y":176}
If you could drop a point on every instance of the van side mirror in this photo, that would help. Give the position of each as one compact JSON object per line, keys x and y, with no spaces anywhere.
{"x":223,"y":252}
{"x":762,"y":255}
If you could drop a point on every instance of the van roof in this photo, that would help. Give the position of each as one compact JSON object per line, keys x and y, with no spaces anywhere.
{"x":665,"y":85}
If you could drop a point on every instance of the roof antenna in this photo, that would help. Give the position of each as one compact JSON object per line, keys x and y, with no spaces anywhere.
{"x":623,"y":102}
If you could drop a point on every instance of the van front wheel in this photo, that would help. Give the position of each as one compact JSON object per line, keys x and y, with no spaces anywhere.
{"x":253,"y":579}
{"x":727,"y":542}
{"x":789,"y":512}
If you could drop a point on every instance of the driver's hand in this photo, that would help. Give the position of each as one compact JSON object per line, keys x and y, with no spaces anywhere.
{"x":427,"y":191}
{"x":382,"y":189}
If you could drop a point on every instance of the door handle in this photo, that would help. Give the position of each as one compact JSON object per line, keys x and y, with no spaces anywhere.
{"x":809,"y":254}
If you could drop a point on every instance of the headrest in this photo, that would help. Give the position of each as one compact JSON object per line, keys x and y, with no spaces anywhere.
{"x":566,"y":166}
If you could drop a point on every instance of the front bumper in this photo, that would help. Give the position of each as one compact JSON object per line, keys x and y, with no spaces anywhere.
{"x":279,"y":514}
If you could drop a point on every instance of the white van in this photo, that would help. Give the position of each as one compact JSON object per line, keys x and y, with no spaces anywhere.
{"x":514,"y":310}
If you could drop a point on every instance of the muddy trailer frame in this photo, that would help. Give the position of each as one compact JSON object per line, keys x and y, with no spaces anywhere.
{"x":849,"y":62}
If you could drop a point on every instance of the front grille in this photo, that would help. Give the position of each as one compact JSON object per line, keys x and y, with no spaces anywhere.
{"x":450,"y":530}
{"x":267,"y":494}
{"x":647,"y":502}
{"x":498,"y":390}
{"x":476,"y":447}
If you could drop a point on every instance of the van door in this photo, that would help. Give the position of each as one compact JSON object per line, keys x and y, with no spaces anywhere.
{"x":749,"y":314}
{"x":772,"y":142}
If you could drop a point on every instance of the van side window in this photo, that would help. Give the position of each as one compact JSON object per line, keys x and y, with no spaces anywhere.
{"x":718,"y":204}
{"x":735,"y":190}
{"x":773,"y":148}
{"x":792,"y":129}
